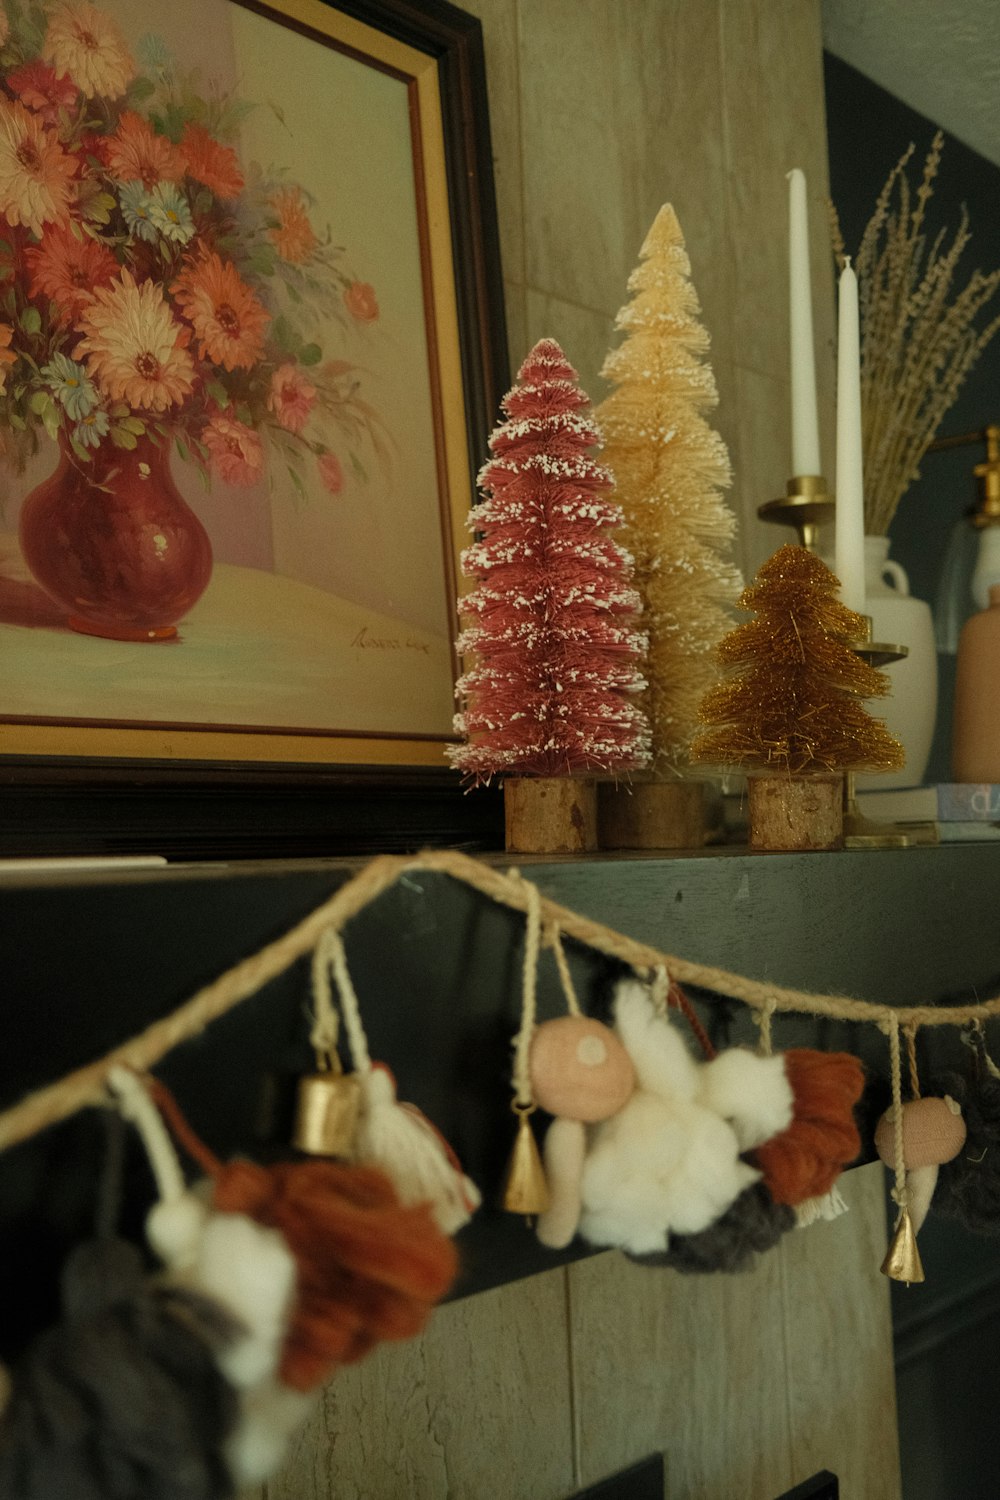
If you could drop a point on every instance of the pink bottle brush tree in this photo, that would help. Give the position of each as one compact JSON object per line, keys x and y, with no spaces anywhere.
{"x":551,"y":623}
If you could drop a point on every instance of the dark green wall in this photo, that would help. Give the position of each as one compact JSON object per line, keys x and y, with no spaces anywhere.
{"x":869,"y":129}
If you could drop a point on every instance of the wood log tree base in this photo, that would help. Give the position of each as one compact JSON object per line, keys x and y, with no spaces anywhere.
{"x":550,"y":814}
{"x":651,"y":815}
{"x":796,"y":812}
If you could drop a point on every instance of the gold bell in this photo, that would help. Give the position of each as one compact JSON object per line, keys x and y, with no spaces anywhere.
{"x":326,"y":1114}
{"x":525,"y":1190}
{"x":902,"y":1260}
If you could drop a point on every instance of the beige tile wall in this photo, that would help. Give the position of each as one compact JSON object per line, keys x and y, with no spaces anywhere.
{"x":748,"y":1384}
{"x":601,"y":111}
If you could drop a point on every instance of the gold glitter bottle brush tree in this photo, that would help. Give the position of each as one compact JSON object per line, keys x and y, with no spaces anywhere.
{"x":790,"y":712}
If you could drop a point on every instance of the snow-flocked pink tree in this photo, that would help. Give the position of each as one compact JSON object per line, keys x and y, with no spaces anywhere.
{"x":551,"y":624}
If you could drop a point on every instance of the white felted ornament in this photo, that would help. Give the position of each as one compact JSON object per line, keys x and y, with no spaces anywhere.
{"x":563,"y":1155}
{"x":271,"y":1414}
{"x":248,"y":1270}
{"x":665,"y":1163}
{"x":413,"y":1154}
{"x":751,"y":1092}
{"x":246,"y":1267}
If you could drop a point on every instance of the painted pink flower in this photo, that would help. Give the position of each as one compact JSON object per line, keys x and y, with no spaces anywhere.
{"x":236,"y":451}
{"x":331,"y":472}
{"x":138,"y":153}
{"x":7,"y":354}
{"x":35,"y":171}
{"x":42,"y":89}
{"x":68,"y":270}
{"x":211,"y":163}
{"x":135,"y":350}
{"x":292,"y":397}
{"x":88,"y":45}
{"x":293,"y":235}
{"x":361,"y":302}
{"x":228,"y":318}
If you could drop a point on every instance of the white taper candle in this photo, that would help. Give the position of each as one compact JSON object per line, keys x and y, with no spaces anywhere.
{"x":805,"y":423}
{"x":850,"y":512}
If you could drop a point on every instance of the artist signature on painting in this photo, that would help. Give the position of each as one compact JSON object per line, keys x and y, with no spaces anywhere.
{"x":365,"y":641}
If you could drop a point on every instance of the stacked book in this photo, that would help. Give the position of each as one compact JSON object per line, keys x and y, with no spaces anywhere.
{"x":962,"y":811}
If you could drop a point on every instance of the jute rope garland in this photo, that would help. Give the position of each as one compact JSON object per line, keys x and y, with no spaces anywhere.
{"x":88,"y":1085}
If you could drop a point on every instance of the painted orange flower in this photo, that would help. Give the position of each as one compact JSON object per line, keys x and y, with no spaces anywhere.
{"x":237,"y":453}
{"x":292,"y":397}
{"x":361,"y":302}
{"x":40,"y":88}
{"x":88,"y":45}
{"x":228,"y":320}
{"x":331,"y":472}
{"x":293,"y":237}
{"x":134,"y":349}
{"x":135,"y":153}
{"x":67,"y":270}
{"x":7,"y":355}
{"x":211,"y":163}
{"x":35,"y":172}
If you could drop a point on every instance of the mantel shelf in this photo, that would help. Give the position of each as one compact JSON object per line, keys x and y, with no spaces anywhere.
{"x":91,"y":958}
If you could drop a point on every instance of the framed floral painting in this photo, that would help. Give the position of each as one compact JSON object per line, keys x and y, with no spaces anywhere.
{"x":251,"y":343}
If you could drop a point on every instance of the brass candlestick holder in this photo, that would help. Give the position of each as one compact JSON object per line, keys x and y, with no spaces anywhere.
{"x":861,"y":832}
{"x":806,"y":505}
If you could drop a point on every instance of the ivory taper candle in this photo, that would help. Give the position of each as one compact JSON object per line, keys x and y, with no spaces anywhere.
{"x":850,"y":511}
{"x":805,"y":422}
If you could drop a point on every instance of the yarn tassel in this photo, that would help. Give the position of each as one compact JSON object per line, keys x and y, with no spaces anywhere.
{"x":369,"y":1267}
{"x":805,"y":1160}
{"x":416,"y":1158}
{"x":826,"y":1206}
{"x":239,"y":1266}
{"x":125,"y":1396}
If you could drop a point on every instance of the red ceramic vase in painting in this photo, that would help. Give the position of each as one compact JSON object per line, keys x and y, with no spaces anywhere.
{"x":115,"y":544}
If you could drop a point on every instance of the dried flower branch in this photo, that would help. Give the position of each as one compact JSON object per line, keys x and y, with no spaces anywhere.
{"x":920,"y":336}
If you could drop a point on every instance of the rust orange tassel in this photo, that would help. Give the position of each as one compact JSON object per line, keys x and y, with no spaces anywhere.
{"x":806,"y":1159}
{"x":368,"y":1267}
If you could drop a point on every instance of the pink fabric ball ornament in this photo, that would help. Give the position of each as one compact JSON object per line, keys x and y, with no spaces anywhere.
{"x":581,"y":1073}
{"x":933,"y":1132}
{"x":579,"y":1069}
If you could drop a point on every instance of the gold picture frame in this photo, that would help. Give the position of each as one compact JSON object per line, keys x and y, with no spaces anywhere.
{"x":429,"y":58}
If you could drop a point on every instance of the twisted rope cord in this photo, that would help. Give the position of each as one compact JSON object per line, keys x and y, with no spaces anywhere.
{"x":136,"y":1105}
{"x":87,"y":1085}
{"x":325,"y":1018}
{"x":911,"y":1057}
{"x":529,"y":997}
{"x":551,"y":939}
{"x":899,"y":1193}
{"x":353,"y":1025}
{"x":763,"y":1019}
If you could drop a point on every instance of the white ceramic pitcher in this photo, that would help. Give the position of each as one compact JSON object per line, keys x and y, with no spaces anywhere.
{"x":899,"y":619}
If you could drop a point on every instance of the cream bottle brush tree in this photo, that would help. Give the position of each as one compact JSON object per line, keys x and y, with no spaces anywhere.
{"x":670,"y":469}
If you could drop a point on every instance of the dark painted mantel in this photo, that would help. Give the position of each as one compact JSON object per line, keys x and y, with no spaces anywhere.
{"x":89,"y":959}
